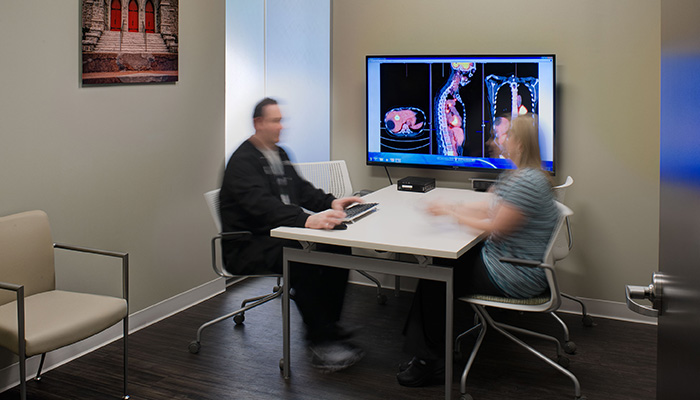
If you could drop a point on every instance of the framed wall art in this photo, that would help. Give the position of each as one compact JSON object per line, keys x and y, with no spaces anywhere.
{"x":129,"y":41}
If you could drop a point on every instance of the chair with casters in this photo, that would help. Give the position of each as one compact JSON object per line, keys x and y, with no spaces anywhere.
{"x":38,"y":318}
{"x":212,"y":199}
{"x":333,"y":177}
{"x":545,"y":303}
{"x":562,"y":247}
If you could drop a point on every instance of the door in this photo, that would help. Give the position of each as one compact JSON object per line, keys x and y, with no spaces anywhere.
{"x":133,"y":16}
{"x":150,"y":17}
{"x":678,"y":362}
{"x":115,"y":16}
{"x":676,"y":289}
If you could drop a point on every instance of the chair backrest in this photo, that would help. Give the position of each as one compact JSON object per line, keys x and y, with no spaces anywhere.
{"x":331,"y":176}
{"x":26,"y":254}
{"x":560,"y":191}
{"x":212,"y":199}
{"x":563,"y":244}
{"x":564,"y":213}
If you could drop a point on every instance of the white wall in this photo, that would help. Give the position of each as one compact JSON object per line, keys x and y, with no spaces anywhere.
{"x":608,"y":114}
{"x":115,"y":167}
{"x":280,"y":49}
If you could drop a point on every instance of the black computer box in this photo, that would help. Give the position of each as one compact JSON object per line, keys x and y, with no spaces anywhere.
{"x":416,"y":184}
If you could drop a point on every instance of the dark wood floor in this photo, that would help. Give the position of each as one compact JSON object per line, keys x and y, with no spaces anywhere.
{"x":615,"y":361}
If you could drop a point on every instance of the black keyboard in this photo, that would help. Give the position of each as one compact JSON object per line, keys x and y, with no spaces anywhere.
{"x":358,"y":210}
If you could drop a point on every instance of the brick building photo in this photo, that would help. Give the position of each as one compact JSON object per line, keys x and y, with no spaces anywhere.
{"x":129,"y":41}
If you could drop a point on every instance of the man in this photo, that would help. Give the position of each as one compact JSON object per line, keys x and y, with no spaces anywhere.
{"x":261,"y":190}
{"x":497,"y":143}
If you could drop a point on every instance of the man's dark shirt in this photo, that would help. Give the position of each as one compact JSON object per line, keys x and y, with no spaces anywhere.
{"x":250,"y":201}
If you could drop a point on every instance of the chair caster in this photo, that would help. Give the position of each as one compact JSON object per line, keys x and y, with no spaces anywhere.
{"x":466,"y":396}
{"x":276,"y":289}
{"x":581,"y":398}
{"x":126,"y":397}
{"x":570,"y":347}
{"x":381,"y":299}
{"x":587,"y":320}
{"x":563,"y":361}
{"x":239,"y":318}
{"x":194,"y":347}
{"x":281,"y":364}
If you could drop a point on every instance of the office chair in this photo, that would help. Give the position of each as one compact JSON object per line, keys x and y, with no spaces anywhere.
{"x":212,"y":199}
{"x":548,"y":302}
{"x":562,"y":246}
{"x":41,"y":318}
{"x":333,"y":177}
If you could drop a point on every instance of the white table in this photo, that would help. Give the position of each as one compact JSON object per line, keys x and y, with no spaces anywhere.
{"x":400,"y":225}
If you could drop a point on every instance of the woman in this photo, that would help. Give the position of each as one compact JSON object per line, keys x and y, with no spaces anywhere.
{"x":519,"y":221}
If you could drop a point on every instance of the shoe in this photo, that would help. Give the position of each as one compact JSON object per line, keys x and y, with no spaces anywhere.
{"x":330,"y":333}
{"x":338,"y":332}
{"x":419,"y":372}
{"x":406,"y":364}
{"x":334,"y":356}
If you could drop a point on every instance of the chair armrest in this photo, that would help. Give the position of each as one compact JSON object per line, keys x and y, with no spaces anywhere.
{"x":123,"y":256}
{"x":525,"y":263}
{"x":237,"y":235}
{"x":551,"y":276}
{"x":10,"y":286}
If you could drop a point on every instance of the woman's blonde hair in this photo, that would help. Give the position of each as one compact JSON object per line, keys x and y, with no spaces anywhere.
{"x":525,"y":132}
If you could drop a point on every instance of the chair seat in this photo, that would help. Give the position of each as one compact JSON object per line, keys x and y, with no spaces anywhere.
{"x":57,"y":318}
{"x":533,"y":301}
{"x":541,"y":303}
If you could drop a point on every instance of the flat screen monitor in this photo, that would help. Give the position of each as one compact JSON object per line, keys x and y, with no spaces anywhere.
{"x":453,"y":112}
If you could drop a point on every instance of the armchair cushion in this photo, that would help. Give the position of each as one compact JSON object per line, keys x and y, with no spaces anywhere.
{"x":58,"y":318}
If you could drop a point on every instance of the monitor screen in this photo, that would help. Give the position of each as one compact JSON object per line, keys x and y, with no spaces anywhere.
{"x":453,"y":111}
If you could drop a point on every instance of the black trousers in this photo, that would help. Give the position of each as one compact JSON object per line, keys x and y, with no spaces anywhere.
{"x":319,"y":293}
{"x":425,"y":325}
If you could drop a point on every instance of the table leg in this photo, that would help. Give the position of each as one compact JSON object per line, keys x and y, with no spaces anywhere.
{"x":448,"y":336}
{"x":285,"y":316}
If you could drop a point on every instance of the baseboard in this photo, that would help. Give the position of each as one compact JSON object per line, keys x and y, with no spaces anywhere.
{"x":606,"y":309}
{"x":9,"y":376}
{"x":595,"y":307}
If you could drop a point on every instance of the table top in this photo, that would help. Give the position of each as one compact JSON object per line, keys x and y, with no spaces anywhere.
{"x":401,"y":225}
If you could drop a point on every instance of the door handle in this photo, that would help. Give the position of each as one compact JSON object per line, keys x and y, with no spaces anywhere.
{"x":653,"y":292}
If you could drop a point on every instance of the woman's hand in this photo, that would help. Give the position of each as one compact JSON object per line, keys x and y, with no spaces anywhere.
{"x":440,"y":208}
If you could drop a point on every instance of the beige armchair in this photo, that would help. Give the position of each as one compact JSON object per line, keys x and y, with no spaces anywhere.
{"x":37,"y":318}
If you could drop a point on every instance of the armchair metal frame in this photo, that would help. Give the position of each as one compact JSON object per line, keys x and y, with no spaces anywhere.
{"x":545,"y":303}
{"x":212,"y":199}
{"x":19,"y":289}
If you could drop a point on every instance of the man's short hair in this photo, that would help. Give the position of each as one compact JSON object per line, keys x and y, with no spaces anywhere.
{"x":258,"y":111}
{"x":499,"y":120}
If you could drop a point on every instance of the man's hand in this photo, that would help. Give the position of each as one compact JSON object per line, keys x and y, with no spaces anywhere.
{"x":325,"y":220}
{"x":342,"y":204}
